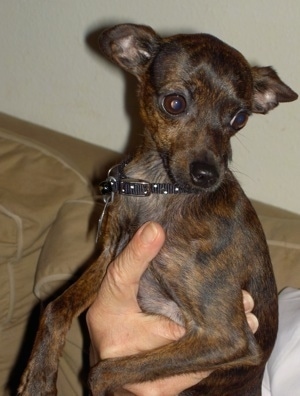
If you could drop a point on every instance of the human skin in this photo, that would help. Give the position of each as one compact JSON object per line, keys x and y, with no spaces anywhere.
{"x":118,"y":327}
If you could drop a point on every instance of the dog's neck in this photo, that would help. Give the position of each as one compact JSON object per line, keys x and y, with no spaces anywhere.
{"x":147,"y":153}
{"x":139,"y":167}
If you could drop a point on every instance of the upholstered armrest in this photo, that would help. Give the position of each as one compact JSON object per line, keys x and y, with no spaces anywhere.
{"x":69,"y":247}
{"x":282,"y":229}
{"x":283,"y":237}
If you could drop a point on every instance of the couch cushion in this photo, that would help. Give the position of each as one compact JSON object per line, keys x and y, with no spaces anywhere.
{"x":34,"y":183}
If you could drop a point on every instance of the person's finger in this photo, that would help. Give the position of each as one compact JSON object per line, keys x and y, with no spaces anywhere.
{"x":167,"y":386}
{"x":128,"y":267}
{"x":252,"y":322}
{"x":248,"y":307}
{"x":247,"y":301}
{"x":165,"y":329}
{"x":129,"y":334}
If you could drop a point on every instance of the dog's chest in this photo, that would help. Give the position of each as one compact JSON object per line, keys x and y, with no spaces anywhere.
{"x":171,"y":213}
{"x":153,"y":299}
{"x":197,"y":235}
{"x":178,"y":265}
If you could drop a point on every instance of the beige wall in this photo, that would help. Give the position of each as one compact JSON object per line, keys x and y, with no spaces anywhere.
{"x":50,"y":76}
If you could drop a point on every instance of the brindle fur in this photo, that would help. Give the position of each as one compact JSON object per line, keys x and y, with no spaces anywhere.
{"x":215,"y":246}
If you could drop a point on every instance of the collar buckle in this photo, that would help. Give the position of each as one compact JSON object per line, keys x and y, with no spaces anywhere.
{"x":136,"y":187}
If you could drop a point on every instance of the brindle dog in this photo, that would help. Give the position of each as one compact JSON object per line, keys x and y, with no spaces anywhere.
{"x":195,"y":93}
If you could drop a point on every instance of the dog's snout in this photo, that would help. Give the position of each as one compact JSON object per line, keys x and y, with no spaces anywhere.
{"x":203,"y":174}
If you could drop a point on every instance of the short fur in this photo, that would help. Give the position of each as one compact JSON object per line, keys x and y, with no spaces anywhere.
{"x":215,"y":245}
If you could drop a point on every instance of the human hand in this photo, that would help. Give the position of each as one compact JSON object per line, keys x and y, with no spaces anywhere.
{"x":118,"y":327}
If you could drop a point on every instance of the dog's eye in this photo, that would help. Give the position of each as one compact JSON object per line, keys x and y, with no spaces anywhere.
{"x":174,"y":104}
{"x":239,"y":120}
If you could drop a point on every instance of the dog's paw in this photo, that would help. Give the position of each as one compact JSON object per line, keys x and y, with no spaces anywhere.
{"x":37,"y":382}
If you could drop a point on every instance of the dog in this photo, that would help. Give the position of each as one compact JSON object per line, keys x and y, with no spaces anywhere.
{"x":195,"y":92}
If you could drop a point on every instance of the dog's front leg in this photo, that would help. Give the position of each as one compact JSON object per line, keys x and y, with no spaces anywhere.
{"x":40,"y":375}
{"x":207,"y":346}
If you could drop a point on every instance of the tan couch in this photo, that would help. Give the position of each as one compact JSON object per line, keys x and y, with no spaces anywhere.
{"x":47,"y":229}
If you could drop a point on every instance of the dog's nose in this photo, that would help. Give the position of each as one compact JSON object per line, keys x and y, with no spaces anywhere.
{"x":203,"y":174}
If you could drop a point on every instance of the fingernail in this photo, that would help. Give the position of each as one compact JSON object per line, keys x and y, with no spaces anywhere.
{"x":248,"y":303}
{"x":252,"y":322}
{"x":149,"y":233}
{"x":179,"y":332}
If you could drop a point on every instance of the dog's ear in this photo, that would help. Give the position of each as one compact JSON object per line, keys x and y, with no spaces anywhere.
{"x":269,"y":90}
{"x":130,"y":46}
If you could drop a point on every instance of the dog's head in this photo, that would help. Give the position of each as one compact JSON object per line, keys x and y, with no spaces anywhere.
{"x":195,"y":93}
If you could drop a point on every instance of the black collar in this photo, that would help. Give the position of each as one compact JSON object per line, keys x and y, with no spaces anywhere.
{"x":117,"y":182}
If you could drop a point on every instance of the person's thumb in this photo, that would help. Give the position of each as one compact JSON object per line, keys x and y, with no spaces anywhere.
{"x":121,"y":283}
